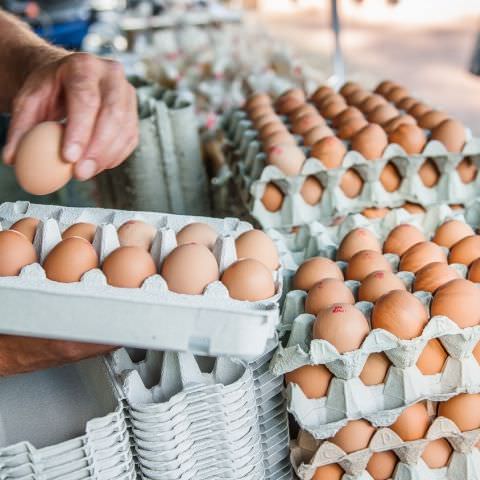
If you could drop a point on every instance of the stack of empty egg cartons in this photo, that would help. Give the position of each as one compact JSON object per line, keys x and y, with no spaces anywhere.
{"x":383,"y":358}
{"x":296,"y":161}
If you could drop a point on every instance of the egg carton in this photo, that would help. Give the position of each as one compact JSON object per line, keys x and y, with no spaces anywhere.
{"x":212,"y":323}
{"x":464,"y":464}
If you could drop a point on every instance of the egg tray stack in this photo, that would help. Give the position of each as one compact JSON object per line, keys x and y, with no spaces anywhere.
{"x":211,"y":324}
{"x":252,"y":177}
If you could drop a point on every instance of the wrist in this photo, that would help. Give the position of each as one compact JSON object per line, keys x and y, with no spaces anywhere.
{"x":40,"y":56}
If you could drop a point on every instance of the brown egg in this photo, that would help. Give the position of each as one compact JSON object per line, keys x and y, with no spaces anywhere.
{"x":437,"y":453}
{"x":128,"y":267}
{"x":351,"y":183}
{"x":260,"y":111}
{"x":16,"y":252}
{"x":375,"y":212}
{"x":365,"y":262}
{"x":433,"y":276}
{"x":356,"y":98}
{"x":400,"y":313}
{"x":272,"y":198}
{"x":27,"y":226}
{"x":355,"y":241}
{"x":458,"y":300}
{"x":451,"y":232}
{"x":327,"y":292}
{"x":474,"y":271}
{"x":271,"y":117}
{"x":377,"y":284}
{"x":333,"y":108}
{"x":431,"y":119}
{"x":397,"y":94}
{"x":287,"y":158}
{"x":451,"y":133}
{"x":456,"y":206}
{"x":278,"y":139}
{"x":433,"y":358}
{"x":270,"y":128}
{"x":382,"y":465}
{"x":410,"y":137}
{"x":289,"y":101}
{"x":429,"y":173}
{"x":349,"y":128}
{"x":346,"y":115}
{"x":354,"y":436}
{"x":136,"y":233}
{"x":406,"y":103}
{"x":375,"y":370}
{"x":395,"y":122}
{"x":382,"y":114}
{"x":316,"y":134}
{"x":305,"y":109}
{"x":256,"y":100}
{"x":476,"y":354}
{"x":333,"y":98}
{"x":349,"y":88}
{"x":467,"y":170}
{"x":292,"y":93}
{"x":385,"y":86}
{"x":390,"y":178}
{"x":371,"y":103}
{"x":258,"y":245}
{"x":306,"y":122}
{"x":248,"y":279}
{"x":370,"y":141}
{"x":465,"y":251}
{"x":418,"y":109}
{"x":401,"y":238}
{"x":413,"y":423}
{"x":463,"y":410}
{"x":190,"y":268}
{"x":197,"y":232}
{"x":82,"y":230}
{"x":413,"y":208}
{"x":313,"y":271}
{"x":328,"y":472}
{"x":70,"y":259}
{"x":332,"y":324}
{"x":321,"y":93}
{"x":421,"y":254}
{"x":312,"y":190}
{"x":330,"y":151}
{"x":314,"y":380}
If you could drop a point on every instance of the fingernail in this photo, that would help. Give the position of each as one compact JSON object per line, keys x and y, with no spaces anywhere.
{"x":73,"y":152}
{"x":86,"y":169}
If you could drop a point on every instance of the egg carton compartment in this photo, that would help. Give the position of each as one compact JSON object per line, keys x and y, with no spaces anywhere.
{"x":212,"y":323}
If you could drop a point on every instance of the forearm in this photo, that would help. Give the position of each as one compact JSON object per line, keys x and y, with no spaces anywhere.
{"x":21,"y":51}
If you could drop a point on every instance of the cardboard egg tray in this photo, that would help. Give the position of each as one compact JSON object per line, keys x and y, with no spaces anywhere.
{"x":252,"y":176}
{"x":93,"y":311}
{"x":308,"y":454}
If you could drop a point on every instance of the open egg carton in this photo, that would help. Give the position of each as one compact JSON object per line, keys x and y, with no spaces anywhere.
{"x":464,"y":464}
{"x":348,"y":398}
{"x":147,"y":317}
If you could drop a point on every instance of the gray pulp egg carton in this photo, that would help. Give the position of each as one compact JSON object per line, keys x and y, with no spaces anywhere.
{"x":464,"y":464}
{"x":64,"y":423}
{"x":147,"y":317}
{"x":253,"y":175}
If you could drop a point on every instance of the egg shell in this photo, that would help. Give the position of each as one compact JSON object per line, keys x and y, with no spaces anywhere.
{"x":16,"y":252}
{"x":370,"y":141}
{"x":465,"y":251}
{"x":70,"y":259}
{"x":401,"y":238}
{"x":306,"y":122}
{"x":327,"y":292}
{"x":356,"y":98}
{"x":346,"y":115}
{"x":278,"y":139}
{"x":375,"y":212}
{"x":256,"y":100}
{"x":26,"y":226}
{"x":474,"y":271}
{"x":332,"y":98}
{"x":354,"y":436}
{"x":355,"y":241}
{"x":333,"y":108}
{"x":343,"y":325}
{"x":429,"y":173}
{"x":400,"y":313}
{"x":288,"y":105}
{"x":270,"y":128}
{"x":260,"y":111}
{"x":328,"y":472}
{"x":314,"y":380}
{"x":271,"y":117}
{"x":382,"y":465}
{"x":394,"y":123}
{"x":421,"y":254}
{"x":351,"y":183}
{"x":248,"y":279}
{"x":272,"y":198}
{"x":406,"y":103}
{"x":382,"y":114}
{"x":410,"y":137}
{"x":349,"y":128}
{"x":413,"y":423}
{"x":136,"y":233}
{"x":313,"y":271}
{"x":467,"y":170}
{"x":377,"y":284}
{"x":39,"y":165}
{"x":349,"y":87}
{"x":437,"y":453}
{"x":83,"y":229}
{"x":413,"y":208}
{"x":433,"y":358}
{"x":375,"y":369}
{"x":433,"y":276}
{"x":418,"y":109}
{"x":365,"y":262}
{"x":390,"y":178}
{"x":385,"y":86}
{"x":397,"y":94}
{"x":463,"y":410}
{"x":321,"y":93}
{"x":371,"y":103}
{"x":305,"y":109}
{"x":316,"y":134}
{"x":451,"y":232}
{"x":288,"y":158}
{"x":197,"y":232}
{"x":330,"y":151}
{"x":258,"y":245}
{"x":297,"y":93}
{"x":431,"y":119}
{"x":312,"y":190}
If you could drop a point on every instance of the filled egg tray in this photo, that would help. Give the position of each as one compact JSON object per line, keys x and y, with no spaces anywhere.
{"x":464,"y":464}
{"x":146,"y":317}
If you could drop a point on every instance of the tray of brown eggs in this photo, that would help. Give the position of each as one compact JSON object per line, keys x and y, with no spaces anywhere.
{"x":385,"y":316}
{"x":299,"y":159}
{"x":145,"y":280}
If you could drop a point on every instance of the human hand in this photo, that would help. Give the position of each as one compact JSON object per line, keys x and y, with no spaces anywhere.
{"x":97,"y":101}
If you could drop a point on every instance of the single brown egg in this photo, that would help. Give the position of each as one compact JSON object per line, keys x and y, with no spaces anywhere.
{"x":375,"y":212}
{"x":356,"y":98}
{"x":83,"y":230}
{"x":437,"y":453}
{"x":306,"y":122}
{"x":321,"y":93}
{"x":418,"y":109}
{"x":190,"y":268}
{"x":287,"y":158}
{"x":292,"y":93}
{"x":413,"y":423}
{"x":258,"y":245}
{"x":330,"y":151}
{"x":289,"y":101}
{"x":27,"y":226}
{"x":413,"y":208}
{"x":465,"y":251}
{"x":375,"y":370}
{"x":382,"y":465}
{"x":371,"y":103}
{"x":313,"y":271}
{"x":312,"y":190}
{"x":333,"y":108}
{"x":382,"y":114}
{"x":385,"y":86}
{"x":429,"y":173}
{"x":70,"y":259}
{"x":432,"y":276}
{"x":370,"y":141}
{"x":333,"y":323}
{"x":463,"y":410}
{"x":401,"y":238}
{"x":260,"y":111}
{"x":270,"y":128}
{"x":451,"y":133}
{"x":400,"y":313}
{"x":467,"y":170}
{"x":271,"y":117}
{"x":346,"y":115}
{"x":474,"y":271}
{"x":377,"y":284}
{"x":390,"y":178}
{"x":349,"y":128}
{"x":431,"y":119}
{"x":16,"y":252}
{"x":136,"y":233}
{"x":333,"y":98}
{"x":433,"y":358}
{"x":248,"y":279}
{"x":397,"y":94}
{"x":351,"y":183}
{"x":256,"y":100}
{"x":354,"y":436}
{"x":128,"y":267}
{"x":458,"y":300}
{"x":410,"y":137}
{"x":272,"y":198}
{"x":355,"y":241}
{"x":476,"y":354}
{"x":349,"y":87}
{"x":327,"y":292}
{"x":305,"y":109}
{"x":197,"y":232}
{"x":395,"y":122}
{"x":365,"y":262}
{"x":451,"y":232}
{"x":314,"y":380}
{"x":316,"y":134}
{"x":328,"y":472}
{"x":406,"y":103}
{"x":421,"y":254}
